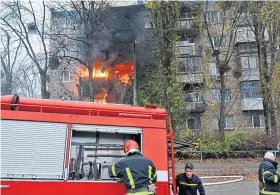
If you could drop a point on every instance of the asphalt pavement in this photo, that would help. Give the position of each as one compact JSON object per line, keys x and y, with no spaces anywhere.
{"x":236,"y":188}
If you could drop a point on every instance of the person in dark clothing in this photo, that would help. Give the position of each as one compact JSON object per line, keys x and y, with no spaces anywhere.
{"x":189,"y":183}
{"x":138,"y":172}
{"x":268,"y":176}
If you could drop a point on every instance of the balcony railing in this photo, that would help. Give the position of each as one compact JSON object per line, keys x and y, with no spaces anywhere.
{"x":188,"y":25}
{"x":195,"y":107}
{"x":251,"y":104}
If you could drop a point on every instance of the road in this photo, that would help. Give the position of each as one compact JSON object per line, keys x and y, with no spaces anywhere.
{"x":237,"y":188}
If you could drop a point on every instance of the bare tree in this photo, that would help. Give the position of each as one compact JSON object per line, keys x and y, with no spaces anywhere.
{"x":89,"y":18}
{"x":221,"y":37}
{"x":9,"y":54}
{"x":29,"y":21}
{"x":265,"y":24}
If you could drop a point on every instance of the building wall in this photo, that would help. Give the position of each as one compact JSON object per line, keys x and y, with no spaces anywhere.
{"x":199,"y":77}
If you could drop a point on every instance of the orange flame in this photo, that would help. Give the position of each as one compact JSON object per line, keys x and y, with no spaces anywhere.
{"x":101,"y":96}
{"x":124,"y":72}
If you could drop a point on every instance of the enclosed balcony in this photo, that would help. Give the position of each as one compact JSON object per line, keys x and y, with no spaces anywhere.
{"x":195,"y":107}
{"x":190,"y":69}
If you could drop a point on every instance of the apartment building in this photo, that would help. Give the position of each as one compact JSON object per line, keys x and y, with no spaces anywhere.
{"x":198,"y":75}
{"x":201,"y":79}
{"x":112,"y":53}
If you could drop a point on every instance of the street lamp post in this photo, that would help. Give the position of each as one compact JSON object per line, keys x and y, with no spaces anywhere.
{"x":134,"y":64}
{"x":134,"y":75}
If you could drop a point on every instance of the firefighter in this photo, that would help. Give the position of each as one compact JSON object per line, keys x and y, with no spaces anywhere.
{"x":188,"y":182}
{"x":268,"y":177}
{"x":138,"y":172}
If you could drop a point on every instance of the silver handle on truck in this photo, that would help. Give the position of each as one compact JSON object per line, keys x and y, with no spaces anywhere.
{"x":4,"y":186}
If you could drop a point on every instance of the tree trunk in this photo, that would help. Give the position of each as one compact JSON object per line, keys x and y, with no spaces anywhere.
{"x":90,"y":83}
{"x":7,"y":86}
{"x":44,"y":92}
{"x":265,"y":84}
{"x":222,"y":117}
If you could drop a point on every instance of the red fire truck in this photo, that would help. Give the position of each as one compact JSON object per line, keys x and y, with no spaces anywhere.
{"x":46,"y":145}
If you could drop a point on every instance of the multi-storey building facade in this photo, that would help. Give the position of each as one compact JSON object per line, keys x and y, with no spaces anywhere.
{"x":201,"y":78}
{"x":198,"y":74}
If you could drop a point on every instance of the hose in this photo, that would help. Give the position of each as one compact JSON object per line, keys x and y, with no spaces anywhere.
{"x":239,"y":178}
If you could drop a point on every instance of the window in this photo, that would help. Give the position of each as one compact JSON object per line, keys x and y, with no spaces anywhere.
{"x":182,"y":65}
{"x":249,"y":62}
{"x":31,"y":27}
{"x":250,"y":89}
{"x":190,"y":65}
{"x":187,"y":46}
{"x":245,"y":34}
{"x":67,"y":76}
{"x":194,"y":64}
{"x":229,"y":122}
{"x":214,"y":17}
{"x":254,"y":120}
{"x":194,"y":123}
{"x":62,"y":25}
{"x":148,"y":46}
{"x":213,"y":69}
{"x":216,"y":97}
{"x":60,"y":52}
{"x":147,"y":23}
{"x":216,"y":42}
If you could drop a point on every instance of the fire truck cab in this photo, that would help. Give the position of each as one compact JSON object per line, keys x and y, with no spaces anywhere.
{"x":65,"y":147}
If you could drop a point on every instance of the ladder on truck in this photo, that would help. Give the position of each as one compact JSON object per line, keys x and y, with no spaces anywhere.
{"x":174,"y":145}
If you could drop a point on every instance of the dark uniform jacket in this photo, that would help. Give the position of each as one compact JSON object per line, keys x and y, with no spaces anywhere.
{"x":269,"y":177}
{"x":136,"y":171}
{"x":189,"y":186}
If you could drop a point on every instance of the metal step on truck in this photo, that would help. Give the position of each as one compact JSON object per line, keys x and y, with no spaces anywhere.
{"x":46,"y":146}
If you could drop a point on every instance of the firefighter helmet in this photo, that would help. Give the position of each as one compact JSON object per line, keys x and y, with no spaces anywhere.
{"x":270,"y":155}
{"x":131,"y":146}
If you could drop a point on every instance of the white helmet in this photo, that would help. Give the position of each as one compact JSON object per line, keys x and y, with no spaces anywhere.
{"x":270,"y":155}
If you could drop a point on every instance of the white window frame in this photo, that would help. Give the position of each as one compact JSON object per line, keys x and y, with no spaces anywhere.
{"x":213,"y":14}
{"x":70,"y":80}
{"x":261,"y":118}
{"x":216,"y":123}
{"x":249,"y":62}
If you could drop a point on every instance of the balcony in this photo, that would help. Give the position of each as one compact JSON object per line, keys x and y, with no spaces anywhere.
{"x":195,"y":107}
{"x":251,"y":104}
{"x":250,"y":75}
{"x":191,"y":78}
{"x":245,"y":35}
{"x":188,"y":26}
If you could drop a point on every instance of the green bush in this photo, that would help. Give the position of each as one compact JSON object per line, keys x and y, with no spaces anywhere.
{"x":235,"y":145}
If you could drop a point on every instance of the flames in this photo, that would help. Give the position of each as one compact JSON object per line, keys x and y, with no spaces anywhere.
{"x":122,"y":72}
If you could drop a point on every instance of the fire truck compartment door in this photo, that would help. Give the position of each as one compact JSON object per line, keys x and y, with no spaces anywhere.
{"x":107,"y":129}
{"x":32,"y":149}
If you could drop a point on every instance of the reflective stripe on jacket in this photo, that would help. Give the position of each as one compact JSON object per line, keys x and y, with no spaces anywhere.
{"x":136,"y":170}
{"x":189,"y":186}
{"x":269,"y":177}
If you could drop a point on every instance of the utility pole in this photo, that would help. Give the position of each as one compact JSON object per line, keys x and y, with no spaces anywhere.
{"x":134,"y":74}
